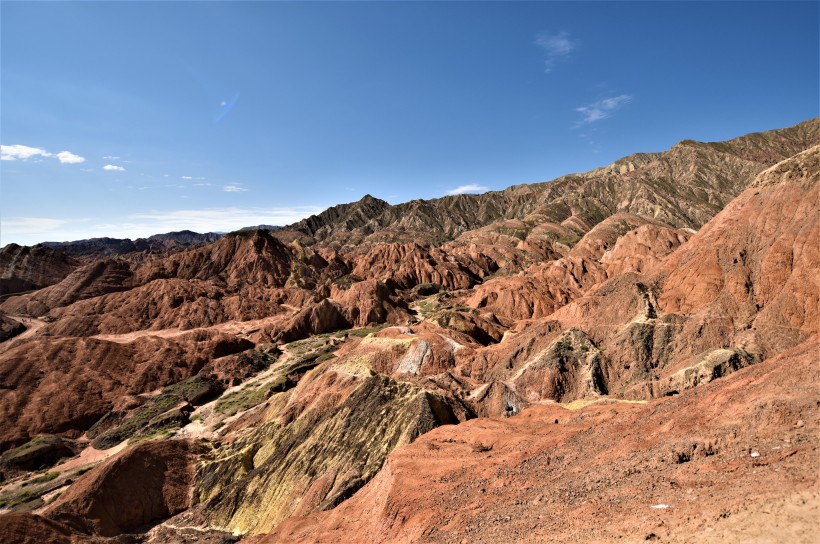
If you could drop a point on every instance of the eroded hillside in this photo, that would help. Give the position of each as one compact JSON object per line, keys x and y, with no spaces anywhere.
{"x":530,"y":363}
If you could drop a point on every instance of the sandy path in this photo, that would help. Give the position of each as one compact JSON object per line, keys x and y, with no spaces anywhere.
{"x":237,"y":328}
{"x":89,"y":456}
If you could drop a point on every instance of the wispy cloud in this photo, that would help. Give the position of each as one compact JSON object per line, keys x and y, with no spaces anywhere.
{"x":470,"y":188}
{"x":233,"y":188}
{"x":187,"y":177}
{"x":556,"y":47}
{"x":23,"y":152}
{"x":32,"y":230}
{"x":112,"y":168}
{"x":602,"y":109}
{"x":18,"y":227}
{"x":111,"y":158}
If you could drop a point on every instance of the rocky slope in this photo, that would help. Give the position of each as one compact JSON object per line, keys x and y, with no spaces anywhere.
{"x":684,"y":187}
{"x":286,"y":386}
{"x":720,"y":461}
{"x":28,"y":268}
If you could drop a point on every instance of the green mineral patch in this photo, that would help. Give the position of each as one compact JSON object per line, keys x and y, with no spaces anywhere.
{"x":250,"y":485}
{"x":356,"y":365}
{"x":387,"y":342}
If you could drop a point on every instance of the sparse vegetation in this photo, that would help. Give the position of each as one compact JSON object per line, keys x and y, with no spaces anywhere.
{"x":47,"y":477}
{"x":22,"y":498}
{"x":139,"y":421}
{"x":427,"y":308}
{"x":361,"y":333}
{"x":245,"y":398}
{"x":569,"y":240}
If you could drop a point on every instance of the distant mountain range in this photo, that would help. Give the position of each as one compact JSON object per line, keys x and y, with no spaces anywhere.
{"x":119,"y":246}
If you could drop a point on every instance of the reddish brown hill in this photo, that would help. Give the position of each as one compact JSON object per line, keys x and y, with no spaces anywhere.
{"x":408,"y":265}
{"x":26,"y":528}
{"x":26,"y":268}
{"x":543,"y":288}
{"x":755,"y":265}
{"x":65,"y":385}
{"x":88,"y":281}
{"x":716,"y":304}
{"x":157,"y":478}
{"x":662,"y":471}
{"x":247,"y":257}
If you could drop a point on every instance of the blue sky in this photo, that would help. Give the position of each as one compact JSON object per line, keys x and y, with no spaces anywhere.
{"x":128,"y":119}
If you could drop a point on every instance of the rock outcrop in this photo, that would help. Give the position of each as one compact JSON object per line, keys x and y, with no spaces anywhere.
{"x":27,"y":268}
{"x":671,"y":468}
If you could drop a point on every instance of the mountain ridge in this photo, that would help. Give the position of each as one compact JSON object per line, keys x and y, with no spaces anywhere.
{"x":705,"y":189}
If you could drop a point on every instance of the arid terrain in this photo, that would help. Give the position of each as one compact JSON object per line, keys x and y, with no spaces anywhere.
{"x":630,"y":354}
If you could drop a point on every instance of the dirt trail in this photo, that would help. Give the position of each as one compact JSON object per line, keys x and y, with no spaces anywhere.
{"x":89,"y":456}
{"x":32,"y":324}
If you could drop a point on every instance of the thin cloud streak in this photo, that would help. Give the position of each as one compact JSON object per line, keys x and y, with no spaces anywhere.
{"x":470,"y":188}
{"x":112,"y":168}
{"x":233,"y":189}
{"x":602,"y":109}
{"x":32,"y":230}
{"x":556,"y":47}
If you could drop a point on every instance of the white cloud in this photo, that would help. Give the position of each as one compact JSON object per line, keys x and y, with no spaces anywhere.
{"x":23,"y":152}
{"x":470,"y":188}
{"x":233,"y":189}
{"x":187,"y":177}
{"x":111,"y":158}
{"x":602,"y":109}
{"x":112,"y":168}
{"x":67,"y":157}
{"x":555,"y":47}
